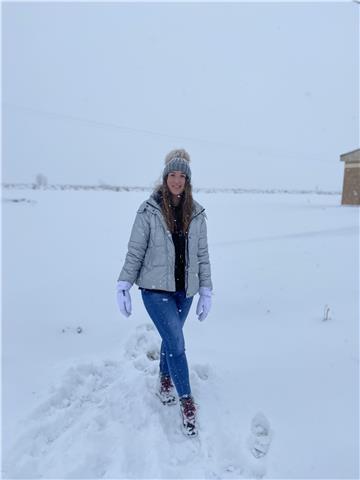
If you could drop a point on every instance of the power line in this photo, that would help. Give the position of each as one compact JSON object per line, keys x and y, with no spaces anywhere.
{"x":98,"y":123}
{"x":134,"y":130}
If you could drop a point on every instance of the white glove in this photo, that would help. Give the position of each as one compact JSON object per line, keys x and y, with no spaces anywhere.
{"x":123,"y":297}
{"x":204,"y":303}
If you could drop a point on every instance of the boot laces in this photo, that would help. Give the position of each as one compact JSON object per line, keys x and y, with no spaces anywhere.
{"x":188,"y":407}
{"x":166,"y":384}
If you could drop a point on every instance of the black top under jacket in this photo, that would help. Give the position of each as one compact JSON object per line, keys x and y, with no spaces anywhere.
{"x":179,"y":240}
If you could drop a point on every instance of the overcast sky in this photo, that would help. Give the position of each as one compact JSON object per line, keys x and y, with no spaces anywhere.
{"x":259,"y":94}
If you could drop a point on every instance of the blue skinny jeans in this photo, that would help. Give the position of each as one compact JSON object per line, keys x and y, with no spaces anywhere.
{"x":168,"y":311}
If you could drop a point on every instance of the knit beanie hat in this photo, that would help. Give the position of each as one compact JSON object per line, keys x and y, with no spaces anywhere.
{"x":177,"y":161}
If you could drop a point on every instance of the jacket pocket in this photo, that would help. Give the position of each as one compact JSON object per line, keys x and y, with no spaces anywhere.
{"x":157,"y":256}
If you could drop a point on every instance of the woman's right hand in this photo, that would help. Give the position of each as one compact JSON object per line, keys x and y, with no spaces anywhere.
{"x":123,"y":297}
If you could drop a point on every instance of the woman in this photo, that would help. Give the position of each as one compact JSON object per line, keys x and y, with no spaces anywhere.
{"x":168,"y":259}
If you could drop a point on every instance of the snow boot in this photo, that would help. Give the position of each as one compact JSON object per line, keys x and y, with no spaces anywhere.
{"x":166,"y":391}
{"x":188,"y":411}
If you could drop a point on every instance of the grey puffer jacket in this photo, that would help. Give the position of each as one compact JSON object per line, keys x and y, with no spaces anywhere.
{"x":150,"y":260}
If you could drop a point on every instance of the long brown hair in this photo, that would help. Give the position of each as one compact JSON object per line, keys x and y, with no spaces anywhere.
{"x":186,"y":205}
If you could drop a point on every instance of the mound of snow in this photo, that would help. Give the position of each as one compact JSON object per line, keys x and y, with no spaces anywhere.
{"x":104,"y":420}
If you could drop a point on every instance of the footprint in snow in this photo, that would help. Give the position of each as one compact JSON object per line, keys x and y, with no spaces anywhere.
{"x":143,"y":349}
{"x":261,"y":436}
{"x":202,"y":371}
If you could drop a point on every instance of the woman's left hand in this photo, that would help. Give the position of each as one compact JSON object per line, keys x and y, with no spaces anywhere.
{"x":204,"y":303}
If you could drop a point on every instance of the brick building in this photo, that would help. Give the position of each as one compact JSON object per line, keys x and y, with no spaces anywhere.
{"x":351,"y":185}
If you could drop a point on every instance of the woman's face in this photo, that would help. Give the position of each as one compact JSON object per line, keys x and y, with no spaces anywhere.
{"x":176,"y":182}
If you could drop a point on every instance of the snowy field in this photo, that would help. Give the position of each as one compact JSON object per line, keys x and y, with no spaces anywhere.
{"x":78,"y":379}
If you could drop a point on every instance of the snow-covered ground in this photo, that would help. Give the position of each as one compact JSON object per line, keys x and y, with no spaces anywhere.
{"x":78,"y":379}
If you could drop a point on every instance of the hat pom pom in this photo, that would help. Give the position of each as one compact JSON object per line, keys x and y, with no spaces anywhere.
{"x":177,"y":153}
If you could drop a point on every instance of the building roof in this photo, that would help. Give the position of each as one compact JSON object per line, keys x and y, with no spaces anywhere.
{"x":351,"y":157}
